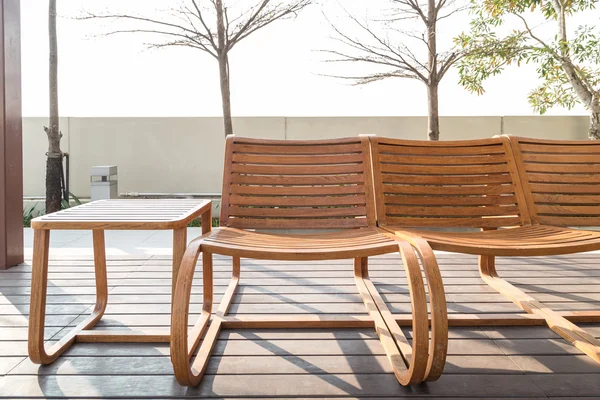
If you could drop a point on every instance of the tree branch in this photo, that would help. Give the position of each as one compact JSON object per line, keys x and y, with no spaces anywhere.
{"x":365,"y":79}
{"x":456,"y":10}
{"x":138,"y":18}
{"x":246,"y":26}
{"x":189,"y":40}
{"x":412,"y":6}
{"x":269,"y":16}
{"x":448,"y":62}
{"x":210,"y":35}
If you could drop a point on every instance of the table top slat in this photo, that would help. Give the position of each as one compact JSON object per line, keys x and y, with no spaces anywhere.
{"x":125,"y":214}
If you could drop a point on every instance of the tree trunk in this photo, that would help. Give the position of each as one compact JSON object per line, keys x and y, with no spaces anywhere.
{"x":584,"y":91}
{"x":54,"y":160}
{"x":53,"y":184}
{"x":594,"y":132}
{"x":433,"y":119}
{"x":223,"y":58}
{"x":225,"y":94}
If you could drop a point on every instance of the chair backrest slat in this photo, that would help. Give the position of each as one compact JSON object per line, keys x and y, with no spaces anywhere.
{"x":472,"y":184}
{"x":308,"y":184}
{"x":561,"y":180}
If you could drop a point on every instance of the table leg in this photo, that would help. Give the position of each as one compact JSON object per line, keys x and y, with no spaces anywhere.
{"x":207,"y":221}
{"x":39,"y":288}
{"x":37,"y":302}
{"x":179,"y":246}
{"x":100,"y":272}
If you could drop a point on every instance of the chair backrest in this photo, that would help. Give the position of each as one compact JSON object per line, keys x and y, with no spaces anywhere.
{"x":468,"y":183}
{"x":561,"y":180}
{"x":307,"y":184}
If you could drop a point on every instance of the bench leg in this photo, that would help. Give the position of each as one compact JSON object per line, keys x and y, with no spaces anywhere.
{"x":210,"y":339}
{"x":233,"y":284}
{"x":569,"y":331}
{"x":39,"y":286}
{"x":438,"y":347}
{"x":184,"y":343}
{"x":392,"y":338}
{"x":422,"y":363}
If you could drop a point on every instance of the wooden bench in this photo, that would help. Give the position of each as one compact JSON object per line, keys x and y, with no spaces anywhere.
{"x":307,"y":185}
{"x":531,"y":188}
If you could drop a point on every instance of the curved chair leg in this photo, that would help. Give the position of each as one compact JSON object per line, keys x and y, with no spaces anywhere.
{"x":183,"y":344}
{"x":438,"y":348}
{"x":235,"y":279}
{"x":210,"y":339}
{"x":397,"y":347}
{"x":566,"y":329}
{"x":39,"y":285}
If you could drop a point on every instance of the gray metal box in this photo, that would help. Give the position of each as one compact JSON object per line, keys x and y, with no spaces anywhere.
{"x":103,"y":182}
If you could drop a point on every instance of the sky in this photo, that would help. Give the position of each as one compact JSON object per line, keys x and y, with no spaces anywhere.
{"x":278,"y":71}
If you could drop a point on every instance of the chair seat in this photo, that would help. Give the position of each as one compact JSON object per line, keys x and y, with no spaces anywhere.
{"x":533,"y":240}
{"x":342,"y":244}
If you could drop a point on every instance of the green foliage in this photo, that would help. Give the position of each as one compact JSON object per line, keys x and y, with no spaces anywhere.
{"x":196,"y":223}
{"x":30,"y":213}
{"x":65,"y":204}
{"x":489,"y":53}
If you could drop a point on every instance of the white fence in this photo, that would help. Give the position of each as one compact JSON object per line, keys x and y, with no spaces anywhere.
{"x":185,"y":155}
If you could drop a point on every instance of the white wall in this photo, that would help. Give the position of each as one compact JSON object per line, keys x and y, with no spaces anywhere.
{"x":185,"y":155}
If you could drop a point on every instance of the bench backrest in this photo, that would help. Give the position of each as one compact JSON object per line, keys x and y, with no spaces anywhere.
{"x":561,"y":180}
{"x":308,"y":184}
{"x":447,"y":184}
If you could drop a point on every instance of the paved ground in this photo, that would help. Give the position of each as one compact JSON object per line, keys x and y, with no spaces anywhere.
{"x":517,"y":362}
{"x":118,"y":243}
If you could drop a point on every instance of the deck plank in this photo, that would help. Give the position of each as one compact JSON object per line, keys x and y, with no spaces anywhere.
{"x":486,"y":362}
{"x":257,"y":385}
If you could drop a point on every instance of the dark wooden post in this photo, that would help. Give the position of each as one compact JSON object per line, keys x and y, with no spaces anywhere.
{"x":11,"y":143}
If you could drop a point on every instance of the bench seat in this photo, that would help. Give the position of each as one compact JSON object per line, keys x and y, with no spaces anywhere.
{"x":323,"y":185}
{"x":345,"y":244}
{"x":537,"y":188}
{"x":532,"y":240}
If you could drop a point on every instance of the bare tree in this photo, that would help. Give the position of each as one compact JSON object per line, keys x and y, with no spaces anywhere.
{"x":54,"y":155}
{"x":396,"y":58}
{"x":212,"y":27}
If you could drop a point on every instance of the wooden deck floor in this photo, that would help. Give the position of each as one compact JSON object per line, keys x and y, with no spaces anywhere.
{"x":517,"y":362}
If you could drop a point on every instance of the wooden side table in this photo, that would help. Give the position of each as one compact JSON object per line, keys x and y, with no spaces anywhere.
{"x":98,"y":216}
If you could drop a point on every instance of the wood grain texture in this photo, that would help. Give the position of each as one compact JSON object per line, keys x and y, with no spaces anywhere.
{"x":39,"y":284}
{"x":291,"y":184}
{"x":446,"y":184}
{"x":11,"y":136}
{"x":560,"y":179}
{"x":323,"y":184}
{"x":98,"y":216}
{"x":483,"y":362}
{"x":399,"y":171}
{"x":125,"y":214}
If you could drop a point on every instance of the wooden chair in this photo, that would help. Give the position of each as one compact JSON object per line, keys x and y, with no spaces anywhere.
{"x":478,"y":184}
{"x":307,"y":185}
